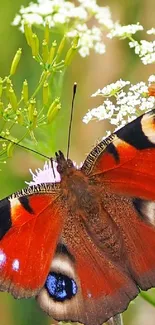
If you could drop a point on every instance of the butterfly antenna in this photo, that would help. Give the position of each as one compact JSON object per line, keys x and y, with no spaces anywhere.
{"x":52,"y":165}
{"x":21,"y":146}
{"x":71,"y":118}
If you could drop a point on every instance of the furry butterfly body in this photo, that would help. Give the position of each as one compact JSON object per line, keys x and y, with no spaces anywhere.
{"x":84,"y":246}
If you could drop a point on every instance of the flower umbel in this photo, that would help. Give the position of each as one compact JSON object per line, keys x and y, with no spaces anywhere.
{"x":74,"y":19}
{"x":124,"y":31}
{"x":123,"y":106}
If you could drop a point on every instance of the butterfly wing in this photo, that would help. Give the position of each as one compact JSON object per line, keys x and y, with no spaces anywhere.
{"x":90,"y":279}
{"x":123,"y":168}
{"x":126,"y":160}
{"x":30,"y":225}
{"x":106,"y":273}
{"x":84,"y":284}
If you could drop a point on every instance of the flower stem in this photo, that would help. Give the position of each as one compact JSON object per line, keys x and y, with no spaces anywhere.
{"x":44,"y":77}
{"x":148,"y":298}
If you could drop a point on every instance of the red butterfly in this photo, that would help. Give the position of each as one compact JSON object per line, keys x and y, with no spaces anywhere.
{"x":84,"y":246}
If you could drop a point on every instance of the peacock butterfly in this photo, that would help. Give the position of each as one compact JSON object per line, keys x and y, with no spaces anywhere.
{"x":86,"y":244}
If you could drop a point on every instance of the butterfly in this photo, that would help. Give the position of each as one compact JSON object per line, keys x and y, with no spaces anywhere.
{"x":85,"y":246}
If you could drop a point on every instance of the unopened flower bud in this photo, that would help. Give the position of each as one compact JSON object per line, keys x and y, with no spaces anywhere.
{"x":45,"y":51}
{"x":25,"y":92}
{"x":34,"y":120}
{"x":28,"y":33}
{"x":53,"y":110}
{"x":61,"y":46}
{"x":35,"y":45}
{"x":71,"y":52}
{"x":31,"y":108}
{"x":13,"y":99}
{"x":75,"y":42}
{"x":8,"y":86}
{"x":15,"y":61}
{"x":52,"y":52}
{"x":45,"y":93}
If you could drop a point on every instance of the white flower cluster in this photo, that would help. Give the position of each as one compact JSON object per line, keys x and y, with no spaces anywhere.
{"x":45,"y":175}
{"x":151,"y":31}
{"x":124,"y":31}
{"x":145,"y":50}
{"x":73,"y":18}
{"x":111,"y":89}
{"x":89,"y":38}
{"x":48,"y":174}
{"x":124,"y":106}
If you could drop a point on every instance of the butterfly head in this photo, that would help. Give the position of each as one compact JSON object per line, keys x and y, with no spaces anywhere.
{"x":65,"y":166}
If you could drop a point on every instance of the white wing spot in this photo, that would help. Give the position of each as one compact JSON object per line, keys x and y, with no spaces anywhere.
{"x":147,"y":123}
{"x":2,"y":258}
{"x":89,"y":295}
{"x":15,"y":265}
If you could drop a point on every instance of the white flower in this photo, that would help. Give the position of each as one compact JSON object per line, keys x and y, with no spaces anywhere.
{"x":100,"y":48}
{"x":124,"y":31}
{"x":151,"y":31}
{"x":139,"y":88}
{"x":45,"y":175}
{"x":125,"y":106}
{"x":135,"y":45}
{"x":147,"y":104}
{"x":78,"y":12}
{"x":103,"y":16}
{"x":75,"y":18}
{"x":84,"y":51}
{"x":145,"y":50}
{"x":33,"y":18}
{"x":111,"y":89}
{"x":148,"y":58}
{"x":48,"y":174}
{"x":16,"y":20}
{"x":151,"y":78}
{"x":88,"y":39}
{"x":89,"y":5}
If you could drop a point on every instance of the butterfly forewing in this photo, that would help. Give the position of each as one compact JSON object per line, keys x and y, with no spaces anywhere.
{"x":26,"y":249}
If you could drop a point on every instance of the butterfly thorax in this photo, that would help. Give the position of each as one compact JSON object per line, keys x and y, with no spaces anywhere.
{"x":75,"y":185}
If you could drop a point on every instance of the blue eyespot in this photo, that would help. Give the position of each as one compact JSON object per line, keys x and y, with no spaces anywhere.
{"x":60,"y":287}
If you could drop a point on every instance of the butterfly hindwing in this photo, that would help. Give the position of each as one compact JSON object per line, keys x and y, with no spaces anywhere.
{"x":138,"y":238}
{"x":33,"y":222}
{"x":102,"y":285}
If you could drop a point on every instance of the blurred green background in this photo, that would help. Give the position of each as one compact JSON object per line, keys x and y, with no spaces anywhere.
{"x":91,"y":73}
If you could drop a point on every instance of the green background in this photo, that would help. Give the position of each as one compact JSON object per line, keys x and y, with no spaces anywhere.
{"x":90,"y":73}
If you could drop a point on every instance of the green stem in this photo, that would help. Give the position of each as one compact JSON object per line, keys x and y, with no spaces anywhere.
{"x":3,"y":124}
{"x":44,"y":77}
{"x":148,"y":298}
